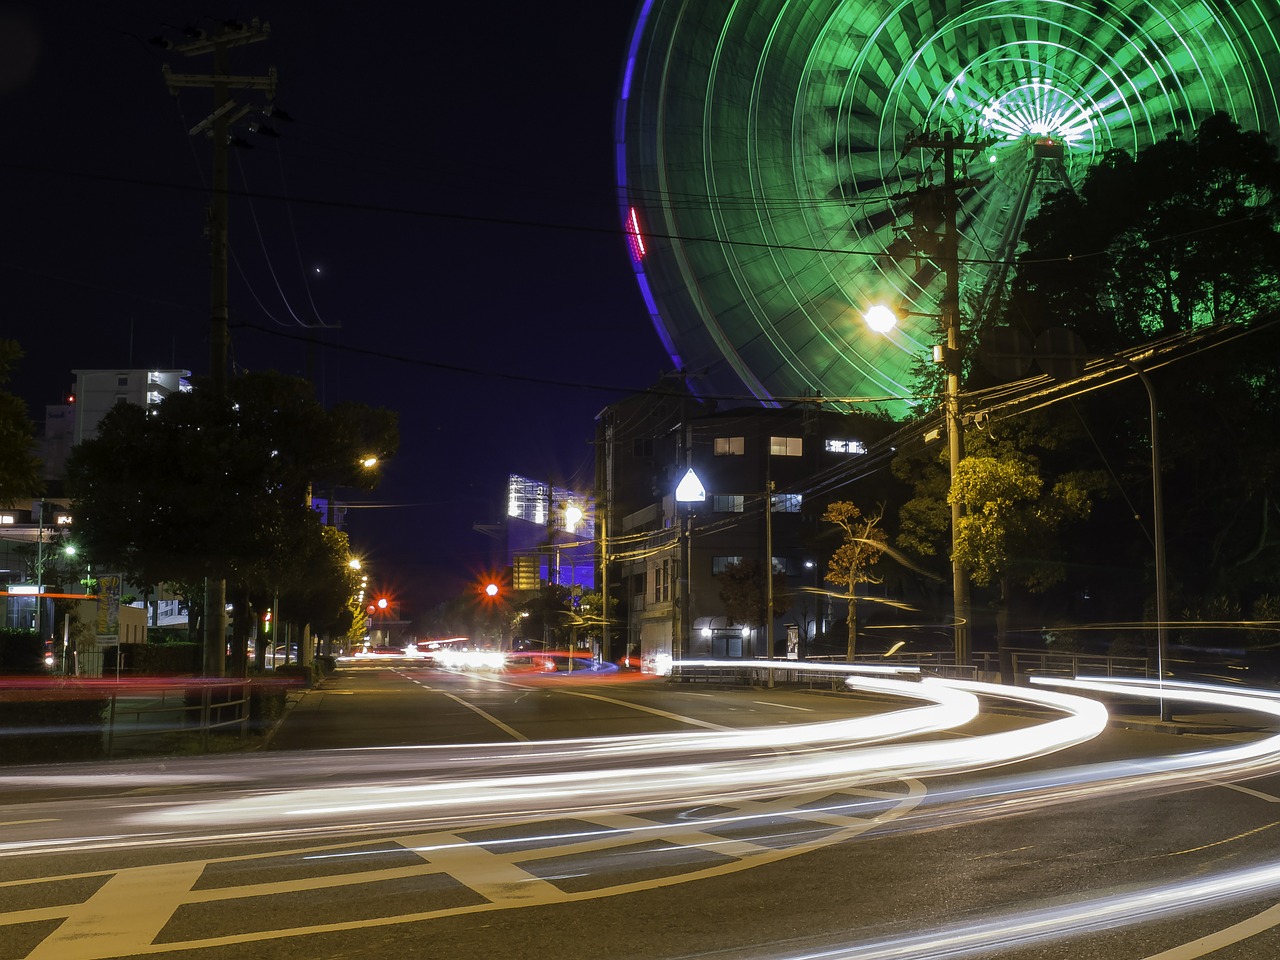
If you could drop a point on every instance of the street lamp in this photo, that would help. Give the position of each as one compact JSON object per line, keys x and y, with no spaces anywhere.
{"x":817,"y":598}
{"x":881,"y":319}
{"x":689,"y":490}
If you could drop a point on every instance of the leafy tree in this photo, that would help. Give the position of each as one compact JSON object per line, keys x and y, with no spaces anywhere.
{"x":860,"y":549}
{"x":545,"y":616}
{"x":1180,"y":236}
{"x":1009,"y":526}
{"x":744,"y":594}
{"x":1183,"y":237}
{"x":589,"y":617}
{"x":19,"y":466}
{"x":216,"y":486}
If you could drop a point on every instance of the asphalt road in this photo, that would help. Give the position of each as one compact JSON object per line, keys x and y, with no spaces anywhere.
{"x":405,"y":811}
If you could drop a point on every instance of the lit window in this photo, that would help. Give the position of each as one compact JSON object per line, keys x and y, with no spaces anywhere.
{"x":846,"y":446}
{"x":63,"y":520}
{"x":6,"y":518}
{"x":730,"y":446}
{"x":721,"y":564}
{"x":785,"y":502}
{"x":785,"y":446}
{"x":727,"y":504}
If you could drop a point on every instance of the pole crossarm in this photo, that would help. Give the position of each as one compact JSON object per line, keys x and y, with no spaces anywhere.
{"x":230,"y":81}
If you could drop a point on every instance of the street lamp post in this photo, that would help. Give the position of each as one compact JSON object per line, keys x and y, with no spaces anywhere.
{"x":881,"y":319}
{"x":690,"y":490}
{"x":572,"y":517}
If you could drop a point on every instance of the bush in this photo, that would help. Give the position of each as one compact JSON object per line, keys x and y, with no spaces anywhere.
{"x":51,"y":724}
{"x":178,"y":658}
{"x":21,"y":653}
{"x":266,"y":703}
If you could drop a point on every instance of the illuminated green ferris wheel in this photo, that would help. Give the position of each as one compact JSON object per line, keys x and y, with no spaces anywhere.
{"x":770,"y":186}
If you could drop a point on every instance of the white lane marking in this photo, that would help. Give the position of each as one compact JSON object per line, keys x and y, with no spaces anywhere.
{"x":1250,"y":791}
{"x":509,"y":730}
{"x":654,"y":710}
{"x":19,"y":823}
{"x":784,"y":706}
{"x":678,"y":718}
{"x":1259,"y":923}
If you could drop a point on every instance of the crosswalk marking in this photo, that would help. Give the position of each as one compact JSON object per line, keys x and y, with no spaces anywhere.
{"x":492,"y":875}
{"x":124,"y":916}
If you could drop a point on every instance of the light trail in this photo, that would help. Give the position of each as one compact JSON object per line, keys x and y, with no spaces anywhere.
{"x":1032,"y":927}
{"x":828,"y":756}
{"x":604,"y":777}
{"x":1105,"y":909}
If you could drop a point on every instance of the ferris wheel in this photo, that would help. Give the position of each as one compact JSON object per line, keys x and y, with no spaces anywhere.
{"x":772,"y":158}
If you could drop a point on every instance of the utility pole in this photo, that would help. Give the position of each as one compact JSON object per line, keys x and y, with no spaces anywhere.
{"x":768,"y":574}
{"x":948,"y":254}
{"x":217,"y":125}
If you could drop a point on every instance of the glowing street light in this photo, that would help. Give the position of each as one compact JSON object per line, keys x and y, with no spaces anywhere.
{"x":880,"y":318}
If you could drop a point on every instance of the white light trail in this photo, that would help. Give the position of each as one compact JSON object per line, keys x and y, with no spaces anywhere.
{"x":730,"y":765}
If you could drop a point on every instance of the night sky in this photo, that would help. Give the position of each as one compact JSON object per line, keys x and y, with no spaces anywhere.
{"x":439,"y":219}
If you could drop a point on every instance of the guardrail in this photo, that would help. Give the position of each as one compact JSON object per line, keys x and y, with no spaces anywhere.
{"x":985,"y":665}
{"x":171,"y":711}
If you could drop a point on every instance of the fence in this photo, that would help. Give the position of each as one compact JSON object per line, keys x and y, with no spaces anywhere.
{"x":143,"y":716}
{"x":985,"y":666}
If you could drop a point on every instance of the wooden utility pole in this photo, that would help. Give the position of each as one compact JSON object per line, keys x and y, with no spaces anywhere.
{"x":946,"y":145}
{"x":217,"y":125}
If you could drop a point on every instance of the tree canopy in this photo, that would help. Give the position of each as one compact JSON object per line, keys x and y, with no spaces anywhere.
{"x":1177,"y":247}
{"x":1180,"y":236}
{"x":217,"y":486}
{"x":862,"y":542}
{"x":19,"y":466}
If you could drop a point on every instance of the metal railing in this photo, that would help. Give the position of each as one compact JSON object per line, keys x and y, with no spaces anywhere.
{"x":145,"y":717}
{"x":985,"y":666}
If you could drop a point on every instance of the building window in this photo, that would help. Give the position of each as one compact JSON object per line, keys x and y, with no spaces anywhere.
{"x":846,"y":446}
{"x":720,"y":564}
{"x":726,"y":504}
{"x":785,"y":502}
{"x":783,"y":565}
{"x":785,"y":446}
{"x":730,"y":446}
{"x":662,"y":582}
{"x":642,"y":447}
{"x":6,"y":518}
{"x":122,"y":381}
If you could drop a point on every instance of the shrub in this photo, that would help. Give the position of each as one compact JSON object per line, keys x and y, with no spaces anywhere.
{"x":21,"y":653}
{"x":51,"y":724}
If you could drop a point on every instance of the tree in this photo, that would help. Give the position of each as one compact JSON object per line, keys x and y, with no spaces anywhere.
{"x":1180,"y":236}
{"x":863,"y":543}
{"x":1183,"y":237}
{"x":744,"y":594}
{"x":1006,"y":533}
{"x":210,"y":485}
{"x":19,"y":466}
